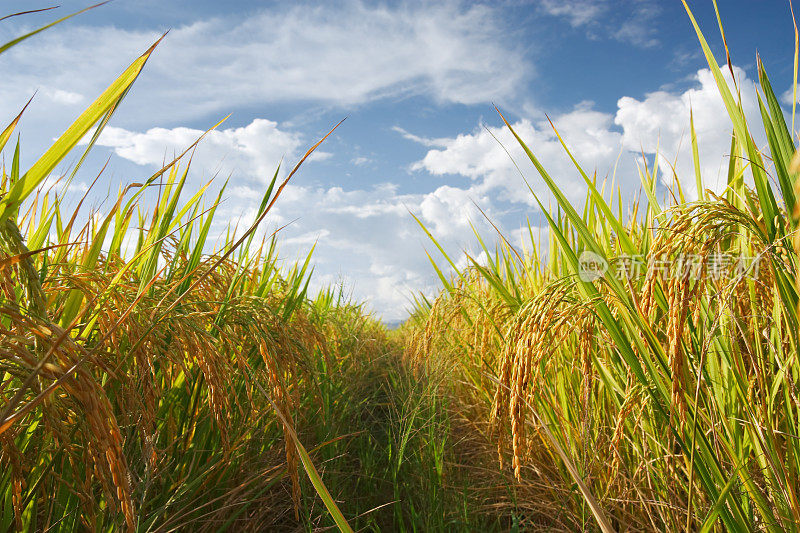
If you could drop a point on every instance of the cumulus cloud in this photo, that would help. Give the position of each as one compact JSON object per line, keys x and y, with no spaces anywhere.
{"x":365,"y":234}
{"x":450,"y":210}
{"x":448,"y":53}
{"x":495,"y":162}
{"x":787,"y":96}
{"x":609,"y":144}
{"x":370,"y":239}
{"x":252,"y":150}
{"x":659,"y":124}
{"x":468,"y":259}
{"x":366,"y":238}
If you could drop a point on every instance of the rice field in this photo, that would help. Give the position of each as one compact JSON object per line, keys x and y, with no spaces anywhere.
{"x":634,"y":369}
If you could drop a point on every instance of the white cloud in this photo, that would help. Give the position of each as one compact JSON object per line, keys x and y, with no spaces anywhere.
{"x":58,"y":184}
{"x":62,"y":97}
{"x":488,"y":163}
{"x":367,"y":235}
{"x":450,"y":210}
{"x":577,"y":12}
{"x":369,"y":239}
{"x":788,"y":95}
{"x":467,"y":259}
{"x":306,"y":240}
{"x":640,"y":27}
{"x":253,"y":150}
{"x":244,"y":192}
{"x":336,"y":54}
{"x":661,"y":122}
{"x":421,"y":140}
{"x":656,"y":125}
{"x":629,"y":21}
{"x":351,"y":55}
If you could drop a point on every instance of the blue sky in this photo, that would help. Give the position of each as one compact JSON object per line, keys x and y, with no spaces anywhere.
{"x":417,"y":82}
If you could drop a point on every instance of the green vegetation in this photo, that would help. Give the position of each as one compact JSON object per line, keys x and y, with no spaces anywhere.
{"x":150,"y":385}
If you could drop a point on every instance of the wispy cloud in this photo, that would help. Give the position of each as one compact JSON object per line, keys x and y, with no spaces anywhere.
{"x":350,"y":54}
{"x":577,"y":12}
{"x":361,"y":161}
{"x":640,"y":26}
{"x":425,"y":141}
{"x":629,"y":21}
{"x":339,"y":54}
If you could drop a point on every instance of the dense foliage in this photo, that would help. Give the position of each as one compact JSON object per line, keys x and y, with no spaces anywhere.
{"x":636,"y":371}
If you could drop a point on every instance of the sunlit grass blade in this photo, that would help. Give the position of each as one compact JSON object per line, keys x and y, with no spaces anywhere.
{"x":19,"y":192}
{"x":28,"y":35}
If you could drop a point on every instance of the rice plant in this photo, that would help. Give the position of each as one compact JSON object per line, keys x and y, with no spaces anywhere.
{"x":635,"y":370}
{"x":147,"y":384}
{"x":643,"y":375}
